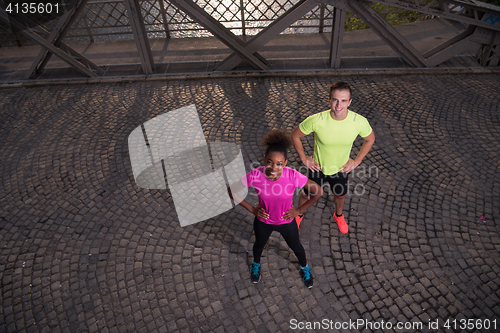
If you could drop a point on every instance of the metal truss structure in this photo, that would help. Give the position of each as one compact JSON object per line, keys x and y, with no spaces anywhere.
{"x":482,"y":19}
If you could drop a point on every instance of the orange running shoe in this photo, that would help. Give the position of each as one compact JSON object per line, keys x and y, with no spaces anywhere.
{"x":341,"y":223}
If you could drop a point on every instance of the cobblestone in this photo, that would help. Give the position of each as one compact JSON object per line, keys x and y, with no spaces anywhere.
{"x":84,"y":249}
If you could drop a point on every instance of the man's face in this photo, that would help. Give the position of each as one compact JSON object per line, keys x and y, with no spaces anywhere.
{"x":340,"y":101}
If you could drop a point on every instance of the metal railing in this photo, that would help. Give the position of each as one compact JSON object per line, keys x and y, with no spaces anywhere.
{"x":108,"y":20}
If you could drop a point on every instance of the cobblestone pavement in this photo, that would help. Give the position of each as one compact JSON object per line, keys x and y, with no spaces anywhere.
{"x":84,"y":249}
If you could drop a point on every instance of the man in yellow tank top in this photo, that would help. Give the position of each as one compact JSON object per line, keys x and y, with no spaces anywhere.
{"x":334,"y":133}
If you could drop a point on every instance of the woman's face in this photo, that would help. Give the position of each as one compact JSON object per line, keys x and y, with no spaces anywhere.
{"x":274,"y":163}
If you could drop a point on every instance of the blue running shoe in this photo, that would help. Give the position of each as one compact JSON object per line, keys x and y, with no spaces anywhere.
{"x":255,"y":272}
{"x":307,"y":276}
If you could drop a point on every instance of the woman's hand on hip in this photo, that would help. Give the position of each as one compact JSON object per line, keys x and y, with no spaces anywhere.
{"x":260,"y":212}
{"x":291,"y":213}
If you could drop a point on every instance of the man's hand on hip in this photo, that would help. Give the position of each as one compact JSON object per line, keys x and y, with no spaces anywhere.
{"x":311,"y":164}
{"x":349,"y":166}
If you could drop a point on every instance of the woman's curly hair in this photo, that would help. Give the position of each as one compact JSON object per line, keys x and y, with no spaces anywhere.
{"x":277,"y":140}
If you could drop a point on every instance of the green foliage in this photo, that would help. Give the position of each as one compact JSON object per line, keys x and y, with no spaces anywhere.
{"x":393,"y":15}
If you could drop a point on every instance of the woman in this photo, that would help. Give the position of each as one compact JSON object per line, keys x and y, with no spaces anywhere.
{"x":275,"y":185}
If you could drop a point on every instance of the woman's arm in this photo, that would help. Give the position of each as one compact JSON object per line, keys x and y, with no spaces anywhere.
{"x":233,"y":190}
{"x":315,"y":192}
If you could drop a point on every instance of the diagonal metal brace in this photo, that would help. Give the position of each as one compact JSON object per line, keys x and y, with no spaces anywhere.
{"x":219,"y":31}
{"x":275,"y":28}
{"x":338,"y":26}
{"x":384,"y":30}
{"x":140,"y":35}
{"x":472,"y":36}
{"x":69,"y":56}
{"x":449,"y":48}
{"x":56,"y":36}
{"x":36,"y":65}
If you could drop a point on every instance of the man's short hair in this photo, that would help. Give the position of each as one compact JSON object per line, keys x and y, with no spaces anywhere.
{"x":340,"y":86}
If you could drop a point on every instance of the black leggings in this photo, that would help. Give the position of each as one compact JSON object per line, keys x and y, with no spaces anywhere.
{"x":290,"y":233}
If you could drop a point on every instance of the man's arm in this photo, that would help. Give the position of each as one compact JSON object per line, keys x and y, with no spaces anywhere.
{"x":308,"y":161}
{"x":365,"y":148}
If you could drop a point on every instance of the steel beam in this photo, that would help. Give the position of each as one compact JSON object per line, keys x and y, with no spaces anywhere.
{"x":52,"y":37}
{"x":56,"y":36}
{"x":445,"y":45}
{"x":82,"y":66}
{"x":385,"y":31}
{"x":77,"y":11}
{"x":451,"y":47}
{"x":338,"y":27}
{"x":490,"y":41}
{"x":43,"y":33}
{"x":274,"y":29}
{"x":140,"y":35}
{"x":219,"y":31}
{"x":164,"y":18}
{"x":489,"y":54}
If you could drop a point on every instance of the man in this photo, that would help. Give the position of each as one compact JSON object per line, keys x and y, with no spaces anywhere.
{"x":334,"y":133}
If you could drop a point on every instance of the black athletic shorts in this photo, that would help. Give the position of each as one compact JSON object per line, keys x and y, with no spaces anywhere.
{"x":338,"y":182}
